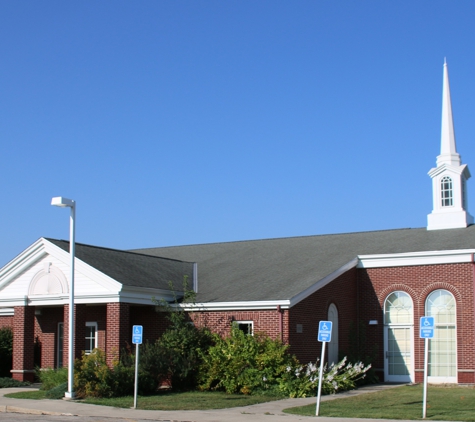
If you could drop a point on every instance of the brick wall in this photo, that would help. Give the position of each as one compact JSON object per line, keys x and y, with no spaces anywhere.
{"x":6,"y":321}
{"x":267,"y":321}
{"x":342,"y":292}
{"x":23,"y":340}
{"x":375,"y":284}
{"x":118,"y":330}
{"x":46,"y":336}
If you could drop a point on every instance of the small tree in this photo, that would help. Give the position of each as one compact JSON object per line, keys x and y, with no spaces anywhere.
{"x":177,"y":355}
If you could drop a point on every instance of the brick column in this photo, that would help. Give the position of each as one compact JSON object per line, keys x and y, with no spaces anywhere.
{"x":23,"y":343}
{"x":79,"y":332}
{"x":118,"y":329}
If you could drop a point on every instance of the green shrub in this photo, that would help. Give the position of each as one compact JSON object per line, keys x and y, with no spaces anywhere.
{"x":177,"y":355}
{"x":244,"y":363}
{"x":6,"y":382}
{"x":93,"y":377}
{"x":51,"y":378}
{"x":6,"y":351}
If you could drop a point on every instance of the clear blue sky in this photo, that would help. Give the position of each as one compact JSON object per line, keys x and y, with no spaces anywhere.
{"x":181,"y":122}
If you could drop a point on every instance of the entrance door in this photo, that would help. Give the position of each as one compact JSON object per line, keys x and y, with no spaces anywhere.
{"x":398,"y":354}
{"x":398,"y":335}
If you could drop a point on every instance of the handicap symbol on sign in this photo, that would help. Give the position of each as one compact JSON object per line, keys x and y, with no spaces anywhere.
{"x":324,"y":327}
{"x":426,"y":322}
{"x":137,"y":330}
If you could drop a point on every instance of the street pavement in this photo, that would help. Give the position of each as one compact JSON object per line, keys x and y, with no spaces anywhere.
{"x":76,"y":411}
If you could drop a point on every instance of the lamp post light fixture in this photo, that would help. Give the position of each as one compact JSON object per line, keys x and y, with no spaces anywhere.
{"x":59,"y":201}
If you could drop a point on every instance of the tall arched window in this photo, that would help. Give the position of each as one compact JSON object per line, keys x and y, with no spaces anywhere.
{"x":398,"y":334}
{"x":443,"y":347}
{"x":446,"y":193}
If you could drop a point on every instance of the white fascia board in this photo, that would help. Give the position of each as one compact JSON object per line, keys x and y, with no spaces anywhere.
{"x":138,"y":296}
{"x":416,"y":258}
{"x":81,"y":267}
{"x":22,"y":262}
{"x":235,"y":306}
{"x":323,"y":282}
{"x":7,"y":312}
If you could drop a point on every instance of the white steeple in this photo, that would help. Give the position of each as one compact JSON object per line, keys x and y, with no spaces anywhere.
{"x":450,"y":176}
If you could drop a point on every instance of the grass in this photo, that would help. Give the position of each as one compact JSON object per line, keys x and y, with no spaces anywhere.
{"x":32,"y":394}
{"x":193,"y":400}
{"x":443,"y":403}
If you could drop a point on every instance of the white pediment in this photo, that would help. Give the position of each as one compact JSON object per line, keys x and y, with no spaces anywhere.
{"x":40,"y":276}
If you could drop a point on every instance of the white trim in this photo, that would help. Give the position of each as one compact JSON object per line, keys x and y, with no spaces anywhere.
{"x":7,"y":312}
{"x":246,"y":322}
{"x":22,"y":262}
{"x":416,"y":258}
{"x":235,"y":306}
{"x":323,"y":282}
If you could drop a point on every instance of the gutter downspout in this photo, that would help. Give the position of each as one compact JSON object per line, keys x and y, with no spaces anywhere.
{"x":281,"y":323}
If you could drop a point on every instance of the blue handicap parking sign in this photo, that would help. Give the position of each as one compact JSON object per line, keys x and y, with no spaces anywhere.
{"x":325,"y":331}
{"x":426,"y":329}
{"x":137,"y":332}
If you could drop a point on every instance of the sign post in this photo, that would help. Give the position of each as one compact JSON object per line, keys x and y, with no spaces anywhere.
{"x":137,"y":333}
{"x":324,"y":336}
{"x":426,"y":331}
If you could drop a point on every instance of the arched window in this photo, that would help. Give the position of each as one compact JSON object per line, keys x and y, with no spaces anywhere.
{"x":443,"y":347}
{"x":446,"y":193}
{"x":398,"y":334}
{"x":398,"y":309}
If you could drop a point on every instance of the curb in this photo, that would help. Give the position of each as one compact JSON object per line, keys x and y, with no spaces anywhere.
{"x":15,"y":409}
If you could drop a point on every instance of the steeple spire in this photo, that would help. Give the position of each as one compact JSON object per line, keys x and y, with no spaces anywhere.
{"x":450,"y":176}
{"x":448,"y":150}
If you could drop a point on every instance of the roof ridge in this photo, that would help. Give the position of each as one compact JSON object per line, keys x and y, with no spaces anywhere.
{"x":275,"y":238}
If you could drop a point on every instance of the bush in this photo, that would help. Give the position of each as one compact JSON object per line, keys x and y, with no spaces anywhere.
{"x":51,"y":378}
{"x":244,"y":363}
{"x":6,"y":382}
{"x":93,"y":376}
{"x":258,"y":364}
{"x":6,"y":351}
{"x":302,"y":380}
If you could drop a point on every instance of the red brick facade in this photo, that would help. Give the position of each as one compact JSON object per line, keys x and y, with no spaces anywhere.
{"x":375,"y":284}
{"x":358,"y":295}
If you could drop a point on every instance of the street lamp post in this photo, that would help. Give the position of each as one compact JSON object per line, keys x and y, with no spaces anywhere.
{"x":59,"y":201}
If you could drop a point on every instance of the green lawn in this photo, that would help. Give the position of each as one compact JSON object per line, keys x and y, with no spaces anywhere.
{"x":443,"y":403}
{"x":167,"y":400}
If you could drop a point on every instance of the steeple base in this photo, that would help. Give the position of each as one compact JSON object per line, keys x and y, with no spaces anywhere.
{"x":448,"y":219}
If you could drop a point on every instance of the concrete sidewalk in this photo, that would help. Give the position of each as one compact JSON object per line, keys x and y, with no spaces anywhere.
{"x":270,"y":411}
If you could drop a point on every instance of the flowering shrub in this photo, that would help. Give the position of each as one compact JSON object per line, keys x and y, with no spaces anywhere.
{"x":258,"y":364}
{"x":302,"y":380}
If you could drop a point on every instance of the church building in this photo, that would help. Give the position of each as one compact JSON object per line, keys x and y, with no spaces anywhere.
{"x":374,"y":287}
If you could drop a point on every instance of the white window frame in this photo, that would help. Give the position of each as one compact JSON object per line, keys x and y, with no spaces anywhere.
{"x":91,"y":324}
{"x":441,"y":379}
{"x":250,"y":323}
{"x":447,"y":192}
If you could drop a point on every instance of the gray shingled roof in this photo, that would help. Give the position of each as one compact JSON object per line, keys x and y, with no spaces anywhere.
{"x":133,"y":269}
{"x":279,"y":269}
